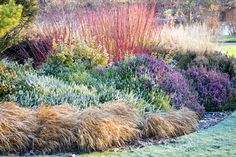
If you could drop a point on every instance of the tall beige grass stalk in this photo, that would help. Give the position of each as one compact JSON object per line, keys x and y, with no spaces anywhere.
{"x":195,"y":38}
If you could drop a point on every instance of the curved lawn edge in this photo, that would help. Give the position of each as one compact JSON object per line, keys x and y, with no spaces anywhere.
{"x":219,"y":140}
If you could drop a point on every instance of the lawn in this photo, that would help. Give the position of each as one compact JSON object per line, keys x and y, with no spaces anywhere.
{"x":210,"y":142}
{"x":230,"y":49}
{"x":229,"y":38}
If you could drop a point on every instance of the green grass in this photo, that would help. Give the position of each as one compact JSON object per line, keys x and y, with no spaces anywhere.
{"x":231,"y":50}
{"x":229,"y":38}
{"x":217,"y":141}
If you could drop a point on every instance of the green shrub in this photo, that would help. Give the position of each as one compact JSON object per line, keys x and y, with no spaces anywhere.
{"x":220,"y":62}
{"x":10,"y":15}
{"x":66,"y":69}
{"x":7,"y":76}
{"x":12,"y":35}
{"x":110,"y":83}
{"x":109,"y":93}
{"x":12,"y":74}
{"x":68,"y":55}
{"x":48,"y":85}
{"x":97,"y":56}
{"x":123,"y":77}
{"x":35,"y":90}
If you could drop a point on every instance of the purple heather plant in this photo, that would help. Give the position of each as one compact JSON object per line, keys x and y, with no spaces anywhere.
{"x":170,"y":80}
{"x":214,"y":88}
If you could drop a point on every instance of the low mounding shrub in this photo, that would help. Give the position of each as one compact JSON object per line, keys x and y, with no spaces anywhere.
{"x":79,"y":52}
{"x":33,"y":87}
{"x":7,"y":76}
{"x":123,"y":30}
{"x":124,"y":76}
{"x":35,"y":90}
{"x":64,"y":67}
{"x":219,"y":61}
{"x":57,"y":129}
{"x":214,"y":88}
{"x":170,"y":124}
{"x":154,"y":76}
{"x":96,"y":56}
{"x":110,"y":83}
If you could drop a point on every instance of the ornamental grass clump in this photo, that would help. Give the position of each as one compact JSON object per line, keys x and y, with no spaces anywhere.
{"x":17,"y":128}
{"x":170,"y":124}
{"x":122,"y":109}
{"x":214,"y":88}
{"x":56,"y":129}
{"x":101,"y":129}
{"x":183,"y":39}
{"x":62,"y":128}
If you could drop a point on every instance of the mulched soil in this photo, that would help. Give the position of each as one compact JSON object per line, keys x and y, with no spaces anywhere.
{"x":211,"y":119}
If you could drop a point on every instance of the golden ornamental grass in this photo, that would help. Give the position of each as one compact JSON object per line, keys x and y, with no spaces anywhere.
{"x":120,"y":108}
{"x":56,"y":129}
{"x":101,"y":129}
{"x":170,"y":124}
{"x":17,"y":126}
{"x":62,"y":128}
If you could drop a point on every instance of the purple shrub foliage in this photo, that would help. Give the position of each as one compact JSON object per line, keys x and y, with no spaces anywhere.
{"x":170,"y":80}
{"x":37,"y":49}
{"x":214,"y":88}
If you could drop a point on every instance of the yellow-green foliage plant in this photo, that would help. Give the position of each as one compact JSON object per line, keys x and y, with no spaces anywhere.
{"x":7,"y":75}
{"x":80,"y":51}
{"x":97,"y":56}
{"x":10,"y":15}
{"x":21,"y":14}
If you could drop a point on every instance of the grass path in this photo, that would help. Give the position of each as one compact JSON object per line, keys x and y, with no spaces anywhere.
{"x":217,"y":141}
{"x":229,"y":38}
{"x":230,"y":48}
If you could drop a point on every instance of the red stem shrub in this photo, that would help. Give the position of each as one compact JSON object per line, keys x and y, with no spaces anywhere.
{"x":122,"y":30}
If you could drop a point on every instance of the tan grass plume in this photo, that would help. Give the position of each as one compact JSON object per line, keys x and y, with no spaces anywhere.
{"x":170,"y":124}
